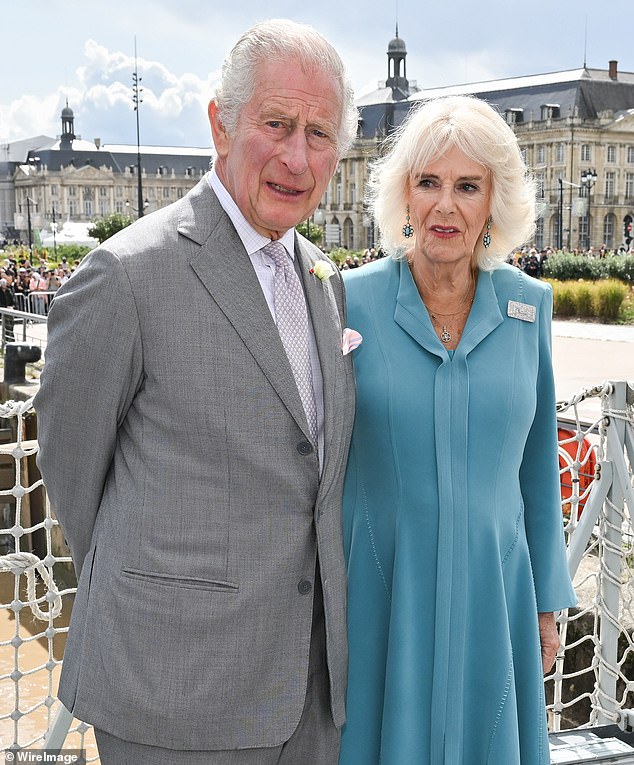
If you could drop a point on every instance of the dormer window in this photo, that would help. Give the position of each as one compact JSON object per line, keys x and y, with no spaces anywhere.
{"x":550,"y":111}
{"x":513,"y":116}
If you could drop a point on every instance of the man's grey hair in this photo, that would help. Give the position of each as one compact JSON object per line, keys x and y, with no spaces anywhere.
{"x":280,"y":39}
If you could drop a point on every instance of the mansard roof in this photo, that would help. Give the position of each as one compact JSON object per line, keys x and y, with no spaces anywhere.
{"x":585,"y":92}
{"x":116,"y":157}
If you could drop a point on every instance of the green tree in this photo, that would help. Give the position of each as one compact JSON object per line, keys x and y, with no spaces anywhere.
{"x":105,"y":227}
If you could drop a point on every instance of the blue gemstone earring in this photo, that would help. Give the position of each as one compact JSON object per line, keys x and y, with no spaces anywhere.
{"x":486,"y":239}
{"x":408,"y":230}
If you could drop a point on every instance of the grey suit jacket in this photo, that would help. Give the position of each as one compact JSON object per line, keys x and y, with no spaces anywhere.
{"x":175,"y":451}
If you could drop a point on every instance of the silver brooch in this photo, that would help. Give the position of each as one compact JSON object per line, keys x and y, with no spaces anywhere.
{"x":521,"y":311}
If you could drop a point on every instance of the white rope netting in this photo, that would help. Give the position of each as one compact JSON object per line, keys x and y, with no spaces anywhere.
{"x":593,"y":679}
{"x":34,"y":606}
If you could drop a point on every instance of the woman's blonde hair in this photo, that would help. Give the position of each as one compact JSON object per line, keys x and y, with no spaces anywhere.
{"x":478,"y":130}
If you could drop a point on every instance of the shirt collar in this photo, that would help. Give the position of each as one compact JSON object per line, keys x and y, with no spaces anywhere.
{"x":251,"y":239}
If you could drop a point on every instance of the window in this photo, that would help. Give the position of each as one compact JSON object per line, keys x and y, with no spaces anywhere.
{"x":539,"y":233}
{"x":550,"y":111}
{"x":513,"y":116}
{"x":118,"y":192}
{"x":539,"y":178}
{"x":88,"y":208}
{"x":72,"y":209}
{"x":118,"y":206}
{"x":608,"y":230}
{"x":103,"y":208}
{"x":629,"y":187}
{"x":524,"y":153}
{"x":103,"y":191}
{"x":560,"y":153}
{"x":610,"y":154}
{"x":54,"y":190}
{"x":586,"y":154}
{"x":166,"y":192}
{"x":630,"y":155}
{"x":72,"y":191}
{"x":610,"y":183}
{"x":541,"y":153}
{"x":353,"y":193}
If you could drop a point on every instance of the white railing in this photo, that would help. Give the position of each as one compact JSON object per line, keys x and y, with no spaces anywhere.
{"x":593,"y":678}
{"x":22,"y":327}
{"x":592,"y":682}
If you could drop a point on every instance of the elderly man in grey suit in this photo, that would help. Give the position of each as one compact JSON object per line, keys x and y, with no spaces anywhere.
{"x":193,"y":437}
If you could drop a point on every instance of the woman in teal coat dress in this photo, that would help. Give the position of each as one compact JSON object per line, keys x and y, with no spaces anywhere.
{"x":452,"y":520}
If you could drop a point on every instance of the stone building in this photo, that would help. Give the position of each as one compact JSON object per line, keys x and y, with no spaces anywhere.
{"x":45,"y":180}
{"x":576,"y":129}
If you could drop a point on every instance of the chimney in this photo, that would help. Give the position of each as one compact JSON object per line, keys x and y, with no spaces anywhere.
{"x":98,"y":142}
{"x":612,"y":70}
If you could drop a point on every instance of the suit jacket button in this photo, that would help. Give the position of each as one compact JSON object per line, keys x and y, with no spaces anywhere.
{"x":304,"y":587}
{"x":305,"y":448}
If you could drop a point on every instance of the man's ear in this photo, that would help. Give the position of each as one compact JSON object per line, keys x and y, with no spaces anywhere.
{"x":218,"y":132}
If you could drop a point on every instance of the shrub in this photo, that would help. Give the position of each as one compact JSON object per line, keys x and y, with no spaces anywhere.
{"x":563,"y":299}
{"x":608,"y":298}
{"x":583,"y":292}
{"x":567,"y":267}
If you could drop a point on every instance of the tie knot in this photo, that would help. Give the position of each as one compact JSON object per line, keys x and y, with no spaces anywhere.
{"x":277,"y":252}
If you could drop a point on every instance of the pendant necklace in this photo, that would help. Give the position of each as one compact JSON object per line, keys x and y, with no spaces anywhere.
{"x":445,"y":333}
{"x":444,"y":327}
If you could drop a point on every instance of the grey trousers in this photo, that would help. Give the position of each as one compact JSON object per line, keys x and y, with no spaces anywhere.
{"x":314,"y":742}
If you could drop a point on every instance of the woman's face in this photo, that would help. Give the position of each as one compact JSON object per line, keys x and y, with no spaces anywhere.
{"x":449,"y":203}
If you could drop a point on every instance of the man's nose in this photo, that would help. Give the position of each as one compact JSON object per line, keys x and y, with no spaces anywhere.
{"x":296,"y":152}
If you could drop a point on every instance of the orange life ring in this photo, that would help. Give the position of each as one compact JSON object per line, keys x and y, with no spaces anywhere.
{"x":585,"y":454}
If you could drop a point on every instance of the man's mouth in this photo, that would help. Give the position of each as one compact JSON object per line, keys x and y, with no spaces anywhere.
{"x":284,"y":189}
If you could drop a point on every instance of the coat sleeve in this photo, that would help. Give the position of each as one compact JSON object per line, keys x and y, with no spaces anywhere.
{"x":93,"y":368}
{"x":539,"y":476}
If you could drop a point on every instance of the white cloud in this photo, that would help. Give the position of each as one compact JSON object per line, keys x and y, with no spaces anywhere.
{"x":173,"y":106}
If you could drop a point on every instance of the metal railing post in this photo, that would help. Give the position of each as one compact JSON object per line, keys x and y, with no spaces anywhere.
{"x":610,"y":569}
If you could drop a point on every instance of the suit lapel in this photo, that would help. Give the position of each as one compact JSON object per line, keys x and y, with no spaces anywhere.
{"x":225,"y":269}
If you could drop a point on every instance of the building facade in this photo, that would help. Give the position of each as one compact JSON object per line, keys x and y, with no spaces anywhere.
{"x":575,"y":128}
{"x":45,"y":181}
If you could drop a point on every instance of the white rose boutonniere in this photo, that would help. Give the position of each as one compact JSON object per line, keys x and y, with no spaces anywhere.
{"x":323,"y":270}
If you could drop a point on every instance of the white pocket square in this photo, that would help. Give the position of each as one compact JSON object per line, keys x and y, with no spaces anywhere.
{"x":351,"y":340}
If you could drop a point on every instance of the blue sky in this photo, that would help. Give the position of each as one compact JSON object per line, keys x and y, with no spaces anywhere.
{"x":51,"y":50}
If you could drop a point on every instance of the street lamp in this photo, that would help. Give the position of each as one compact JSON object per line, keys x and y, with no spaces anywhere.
{"x":139,"y":210}
{"x":54,"y":230}
{"x":137,"y":100}
{"x":588,"y":179}
{"x":560,"y":215}
{"x":28,"y":223}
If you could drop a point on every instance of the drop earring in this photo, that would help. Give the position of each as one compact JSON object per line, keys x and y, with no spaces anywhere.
{"x":486,"y":239}
{"x":408,"y":230}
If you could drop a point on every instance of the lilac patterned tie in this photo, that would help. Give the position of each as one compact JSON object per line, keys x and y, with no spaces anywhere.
{"x":292,"y":323}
